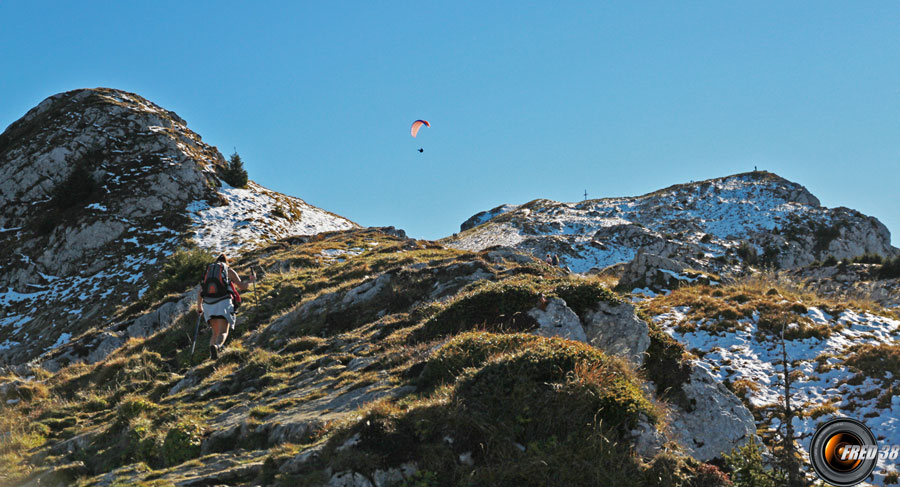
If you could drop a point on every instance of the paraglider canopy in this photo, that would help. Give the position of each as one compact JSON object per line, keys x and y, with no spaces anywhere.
{"x":417,"y":125}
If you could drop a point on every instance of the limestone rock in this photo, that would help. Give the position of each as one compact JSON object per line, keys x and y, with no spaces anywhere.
{"x":616,"y":329}
{"x":558,"y":320}
{"x":653,"y":271}
{"x":647,"y":439}
{"x":718,"y":422}
{"x":349,"y":478}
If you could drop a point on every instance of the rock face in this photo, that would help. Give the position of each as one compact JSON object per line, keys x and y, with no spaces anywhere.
{"x":617,"y":329}
{"x":703,"y":225}
{"x":718,"y":421}
{"x":558,"y":320}
{"x":97,"y":187}
{"x":650,"y":270}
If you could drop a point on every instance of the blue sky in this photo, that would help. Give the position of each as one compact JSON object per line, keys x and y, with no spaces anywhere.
{"x":526,"y":99}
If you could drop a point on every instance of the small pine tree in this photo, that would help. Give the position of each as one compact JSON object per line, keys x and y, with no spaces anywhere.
{"x":748,"y":467}
{"x":78,"y":188}
{"x":234,"y":173}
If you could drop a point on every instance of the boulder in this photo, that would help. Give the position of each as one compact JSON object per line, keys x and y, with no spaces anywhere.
{"x":558,"y":320}
{"x":650,"y":270}
{"x":647,"y":439}
{"x":718,"y":421}
{"x":616,"y":329}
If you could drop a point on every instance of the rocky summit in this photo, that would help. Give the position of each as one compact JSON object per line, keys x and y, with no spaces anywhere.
{"x":715,"y":225}
{"x":679,"y":336}
{"x":97,"y":187}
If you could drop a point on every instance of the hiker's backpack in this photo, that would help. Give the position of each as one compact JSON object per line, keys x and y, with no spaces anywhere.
{"x":215,"y":282}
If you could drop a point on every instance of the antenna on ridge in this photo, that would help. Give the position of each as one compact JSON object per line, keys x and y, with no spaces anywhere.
{"x":585,"y":195}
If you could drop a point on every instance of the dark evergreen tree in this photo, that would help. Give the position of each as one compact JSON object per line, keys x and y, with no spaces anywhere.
{"x":234,"y":173}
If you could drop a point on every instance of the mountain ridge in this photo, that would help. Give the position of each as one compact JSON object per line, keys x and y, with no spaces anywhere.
{"x":702,"y":223}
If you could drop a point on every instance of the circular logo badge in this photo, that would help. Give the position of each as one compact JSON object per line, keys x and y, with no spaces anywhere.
{"x":843,"y":452}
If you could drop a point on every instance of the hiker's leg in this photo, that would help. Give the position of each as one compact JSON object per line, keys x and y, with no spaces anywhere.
{"x":219,"y":332}
{"x":223,"y":335}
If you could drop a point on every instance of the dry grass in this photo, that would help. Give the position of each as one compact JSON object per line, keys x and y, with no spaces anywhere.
{"x":18,"y":436}
{"x":780,"y":303}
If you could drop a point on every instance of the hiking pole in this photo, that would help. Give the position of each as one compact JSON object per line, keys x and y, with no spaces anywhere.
{"x":255,"y":297}
{"x":196,"y":332}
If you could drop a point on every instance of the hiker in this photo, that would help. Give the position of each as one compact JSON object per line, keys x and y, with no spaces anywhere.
{"x":216,"y":301}
{"x":548,"y":259}
{"x":555,"y":261}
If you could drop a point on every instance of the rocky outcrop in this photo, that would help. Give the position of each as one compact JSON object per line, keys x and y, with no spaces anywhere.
{"x":379,"y":478}
{"x":558,"y":320}
{"x":485,"y":216}
{"x":96,"y":345}
{"x":712,"y":420}
{"x":713,"y":226}
{"x":717,"y":421}
{"x":616,"y":329}
{"x":652,"y":271}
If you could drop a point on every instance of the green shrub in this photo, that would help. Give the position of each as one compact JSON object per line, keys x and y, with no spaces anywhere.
{"x":468,"y":350}
{"x":670,"y":469}
{"x":830,"y":261}
{"x":582,"y":296}
{"x":502,"y":306}
{"x":72,"y":194}
{"x":133,"y":406}
{"x":868,"y":258}
{"x":182,"y":269}
{"x":748,"y":467}
{"x":747,"y":252}
{"x":489,"y":306}
{"x":138,"y":444}
{"x":182,"y":442}
{"x":667,"y":365}
{"x":890,"y":269}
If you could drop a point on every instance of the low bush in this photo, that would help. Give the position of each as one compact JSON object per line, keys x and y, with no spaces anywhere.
{"x":182,"y":442}
{"x":868,"y":258}
{"x":183,"y":269}
{"x":749,"y":468}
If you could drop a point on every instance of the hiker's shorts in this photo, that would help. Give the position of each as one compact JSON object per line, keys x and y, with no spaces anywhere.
{"x":222,"y":308}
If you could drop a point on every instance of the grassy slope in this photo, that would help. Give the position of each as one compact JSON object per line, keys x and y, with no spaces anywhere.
{"x":430,"y":372}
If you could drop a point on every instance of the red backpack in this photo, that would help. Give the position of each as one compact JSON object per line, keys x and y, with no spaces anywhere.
{"x":216,"y":284}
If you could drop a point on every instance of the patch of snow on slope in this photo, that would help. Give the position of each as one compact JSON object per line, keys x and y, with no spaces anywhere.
{"x":503,"y":234}
{"x":247,"y":222}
